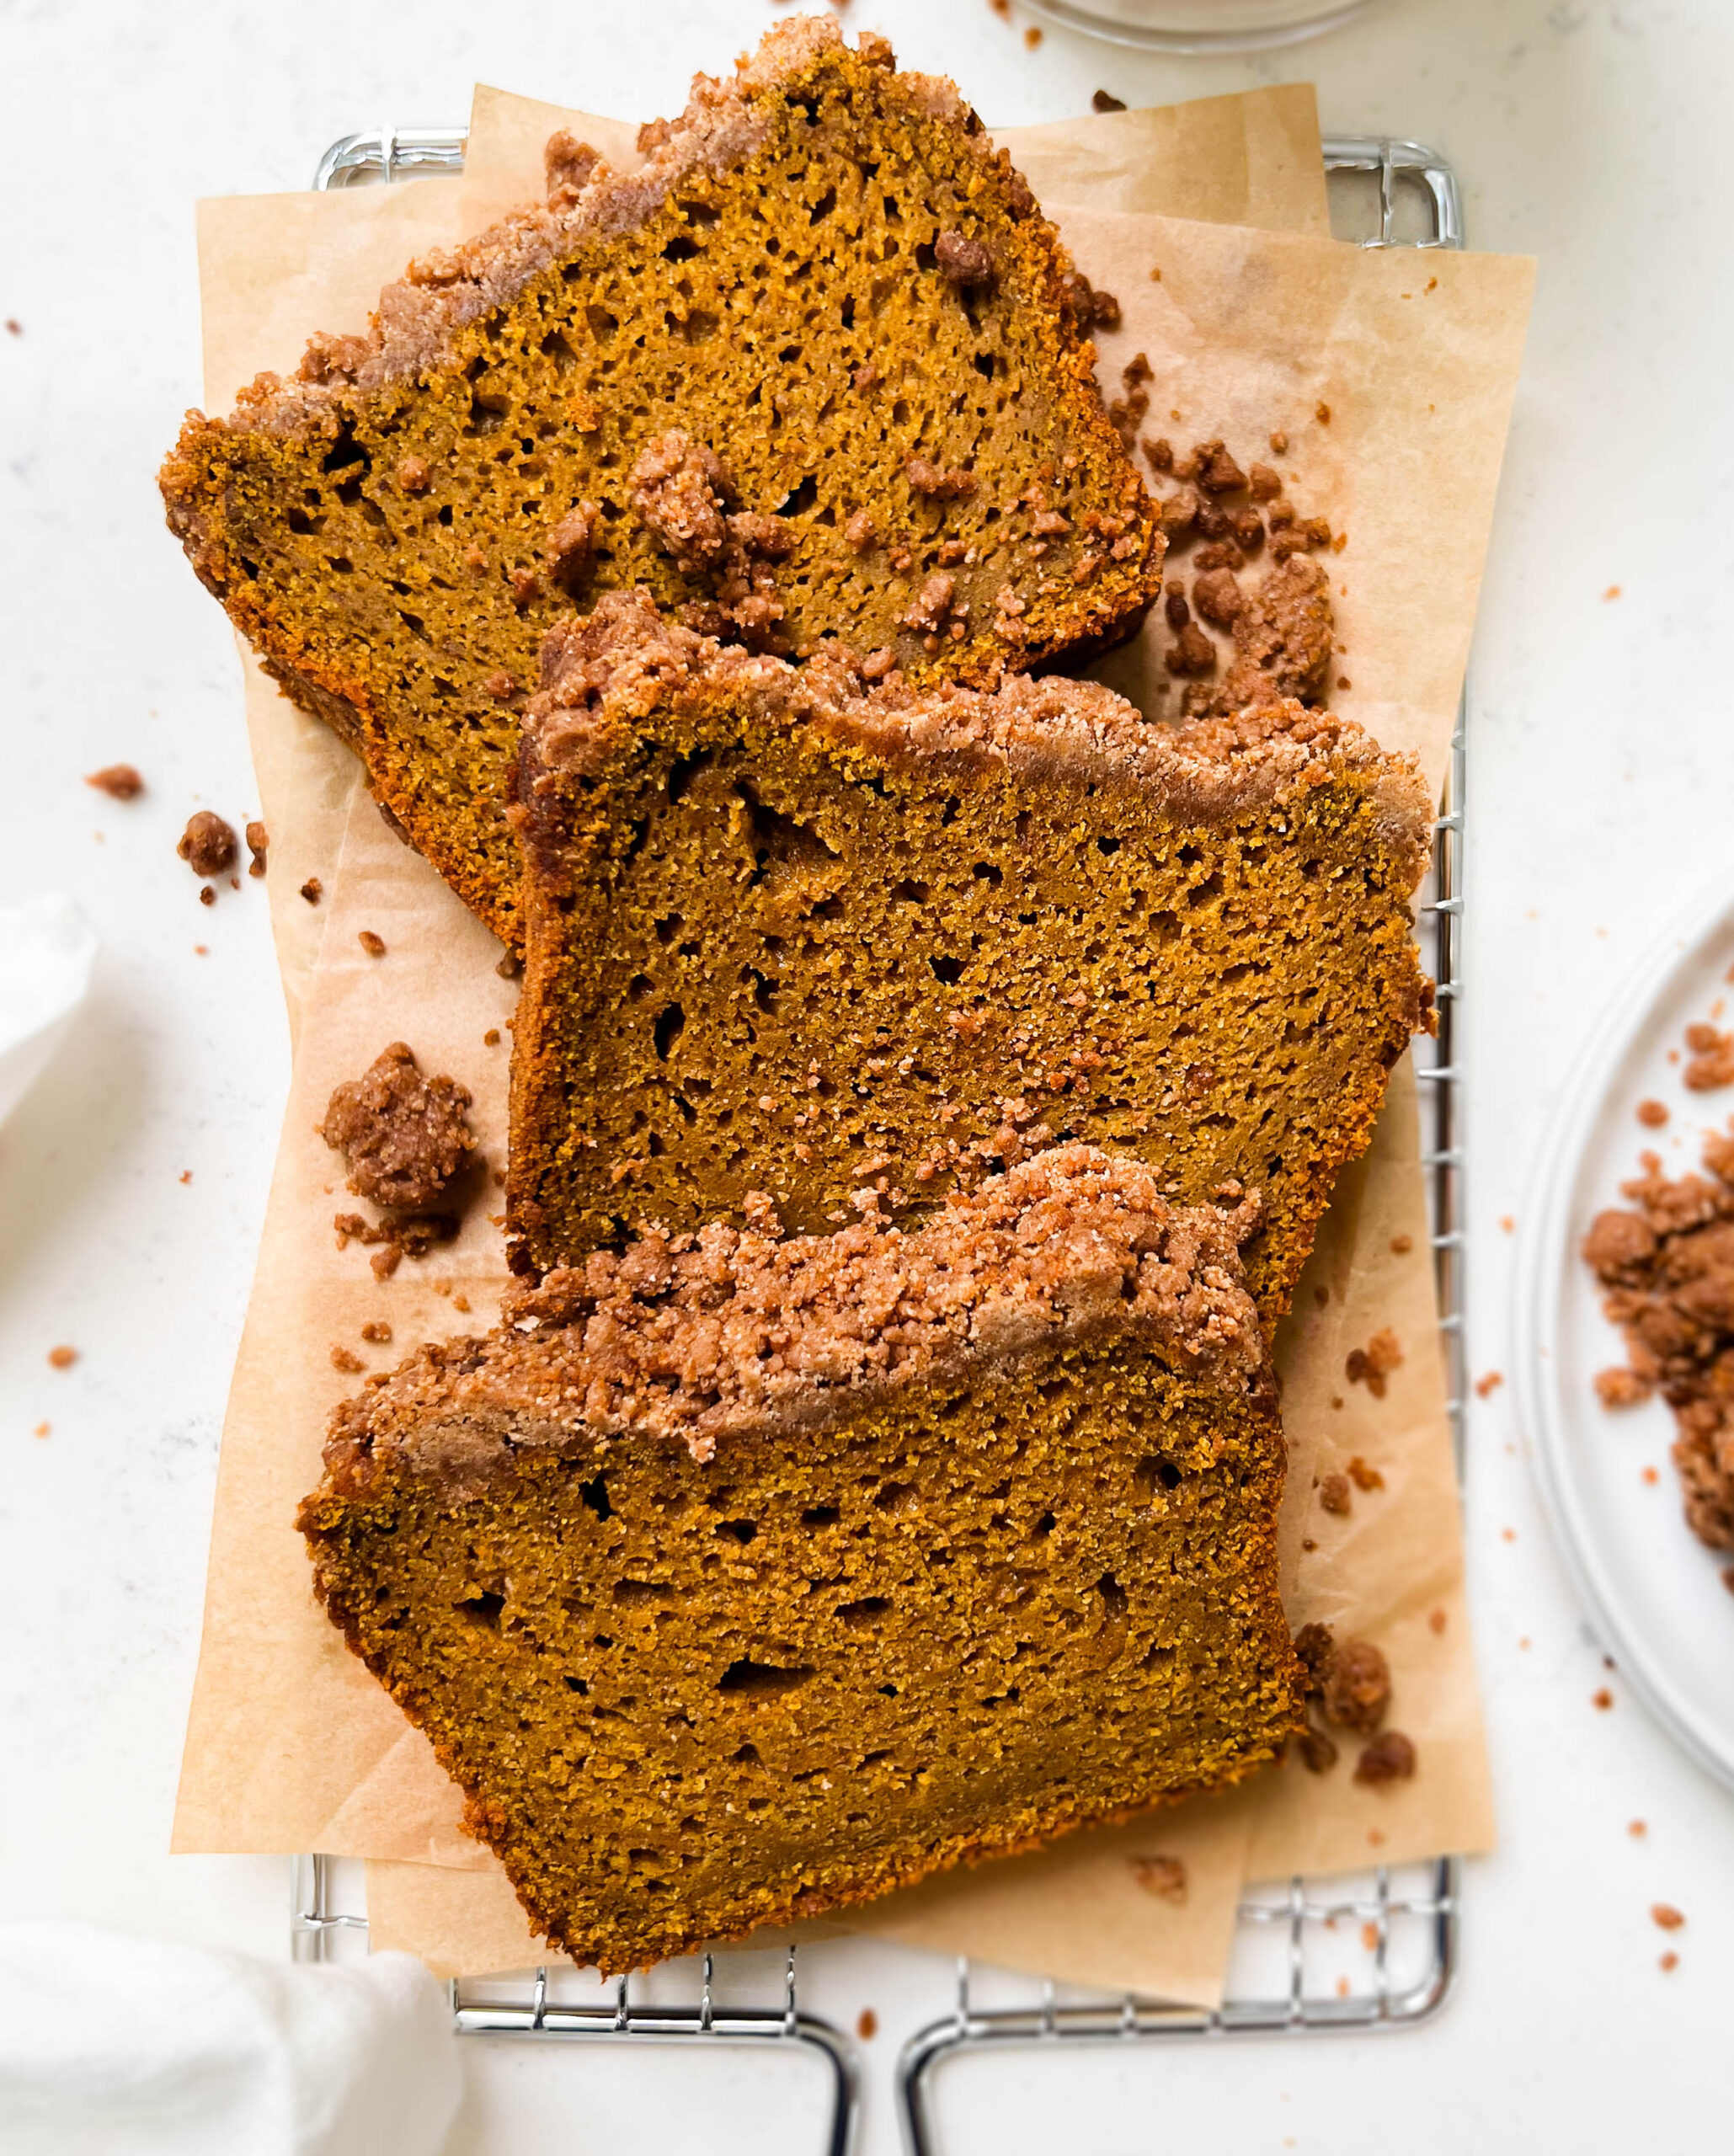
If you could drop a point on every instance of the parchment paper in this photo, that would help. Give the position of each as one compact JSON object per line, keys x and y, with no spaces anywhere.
{"x":291,"y":1745}
{"x":1251,"y":159}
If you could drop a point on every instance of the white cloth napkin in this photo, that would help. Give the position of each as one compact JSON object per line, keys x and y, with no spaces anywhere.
{"x":112,"y":2046}
{"x":46,"y":950}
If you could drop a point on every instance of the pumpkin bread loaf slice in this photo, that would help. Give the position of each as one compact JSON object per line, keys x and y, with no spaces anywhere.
{"x":735,"y":1579}
{"x":813,"y":372}
{"x":789,"y":932}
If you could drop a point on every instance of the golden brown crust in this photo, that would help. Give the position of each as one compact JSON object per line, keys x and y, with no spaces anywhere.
{"x":603,"y":672}
{"x":735,"y":1332}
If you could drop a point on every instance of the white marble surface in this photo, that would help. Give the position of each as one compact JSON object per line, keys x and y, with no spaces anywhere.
{"x":1591,"y":134}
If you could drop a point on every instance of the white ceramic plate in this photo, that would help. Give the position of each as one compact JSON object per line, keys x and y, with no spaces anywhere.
{"x":1654,"y":1591}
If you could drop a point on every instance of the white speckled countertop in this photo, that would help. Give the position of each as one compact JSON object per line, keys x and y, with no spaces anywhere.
{"x":132,"y":1181}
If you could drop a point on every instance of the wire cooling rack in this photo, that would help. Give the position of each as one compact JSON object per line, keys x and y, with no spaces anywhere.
{"x":1375,"y":1952}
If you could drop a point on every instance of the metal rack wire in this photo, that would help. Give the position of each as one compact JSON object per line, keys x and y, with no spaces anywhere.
{"x":1385,"y":193}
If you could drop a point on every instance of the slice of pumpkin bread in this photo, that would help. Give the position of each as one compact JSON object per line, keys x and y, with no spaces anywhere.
{"x":786,"y":931}
{"x":813,"y":372}
{"x":735,"y":1579}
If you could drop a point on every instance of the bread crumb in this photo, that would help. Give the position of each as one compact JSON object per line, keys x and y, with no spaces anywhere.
{"x":461,"y":1302}
{"x":373,"y":945}
{"x":1507,"y":1222}
{"x":404,"y":1136}
{"x":1279,"y":443}
{"x":40,"y":1430}
{"x":259,"y":840}
{"x":1653,"y":1114}
{"x":186,"y":1175}
{"x":1489,"y":1384}
{"x":1668,"y":1961}
{"x":1373,"y":1364}
{"x":1650,"y":1475}
{"x":1665,"y":1914}
{"x":1369,"y":1937}
{"x":1363,"y":1476}
{"x":491,"y":1038}
{"x":63,"y":1358}
{"x":1333,"y":1494}
{"x":1165,"y":1876}
{"x":1390,"y":1758}
{"x":377,"y":1331}
{"x":1604,"y":1699}
{"x":1612,"y":592}
{"x":1712,"y":1063}
{"x":345,"y":1359}
{"x":1400,"y":1245}
{"x":1318,"y":1752}
{"x":1031,"y":37}
{"x":312,"y":890}
{"x":207,"y":896}
{"x":1436,"y":1620}
{"x":207,"y":845}
{"x":1356,"y":1687}
{"x":1321,"y":412}
{"x":119,"y":781}
{"x":1105,"y":101}
{"x":509,"y":966}
{"x":1321,"y":1296}
{"x":867,"y":2024}
{"x":1637,"y":1830}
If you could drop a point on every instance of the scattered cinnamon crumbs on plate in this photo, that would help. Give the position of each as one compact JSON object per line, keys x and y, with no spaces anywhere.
{"x":119,"y":781}
{"x":40,"y":1430}
{"x":1665,"y":1914}
{"x":1507,"y":1222}
{"x":1712,"y":1059}
{"x":1612,"y":592}
{"x":312,"y":890}
{"x":1373,"y":1364}
{"x":373,"y":945}
{"x":1164,"y":1876}
{"x":1652,"y":1475}
{"x":1666,"y":1269}
{"x":1486,"y":1386}
{"x":1333,"y":1494}
{"x":867,"y":2024}
{"x":1653,"y":1114}
{"x":377,"y":1331}
{"x":1668,"y":1961}
{"x":1363,"y":1475}
{"x":1031,"y":37}
{"x":63,"y":1358}
{"x":186,"y":1175}
{"x":1637,"y":1830}
{"x":1603,"y":1698}
{"x":345,"y":1359}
